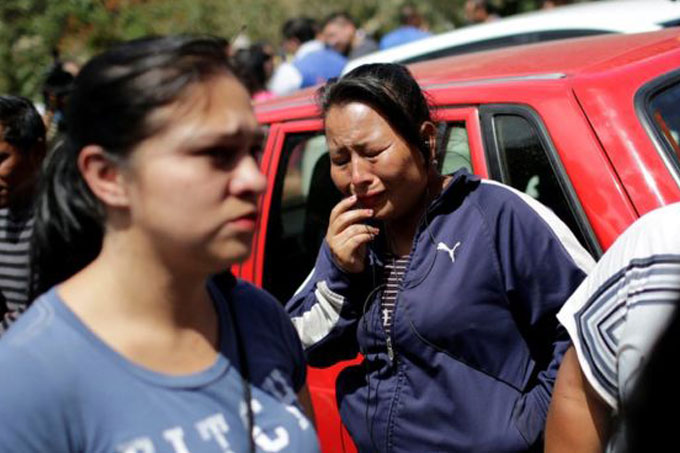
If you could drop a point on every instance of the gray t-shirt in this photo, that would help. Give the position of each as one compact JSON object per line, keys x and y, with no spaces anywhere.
{"x":62,"y":389}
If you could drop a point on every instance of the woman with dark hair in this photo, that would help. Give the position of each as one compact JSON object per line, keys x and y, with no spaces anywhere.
{"x":448,"y":285}
{"x":254,"y":66}
{"x":140,"y":347}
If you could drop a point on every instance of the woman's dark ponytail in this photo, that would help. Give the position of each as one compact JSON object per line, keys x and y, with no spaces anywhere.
{"x":67,"y":233}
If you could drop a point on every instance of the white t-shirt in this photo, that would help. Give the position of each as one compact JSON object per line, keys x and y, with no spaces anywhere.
{"x":621,"y":308}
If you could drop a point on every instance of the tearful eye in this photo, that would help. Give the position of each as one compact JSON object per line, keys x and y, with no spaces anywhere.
{"x":339,"y":161}
{"x":338,"y":157}
{"x":374,"y":152}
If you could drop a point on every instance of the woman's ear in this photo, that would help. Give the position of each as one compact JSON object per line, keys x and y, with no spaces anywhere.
{"x":103,"y":176}
{"x":428,"y":131}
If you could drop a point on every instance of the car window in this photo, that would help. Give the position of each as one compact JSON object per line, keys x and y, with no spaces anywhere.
{"x":302,"y":199}
{"x":527,"y":167}
{"x":504,"y":41}
{"x":664,"y":111}
{"x":454,"y":148}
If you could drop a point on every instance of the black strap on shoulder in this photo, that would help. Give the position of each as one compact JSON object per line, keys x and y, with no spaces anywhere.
{"x":226,"y":282}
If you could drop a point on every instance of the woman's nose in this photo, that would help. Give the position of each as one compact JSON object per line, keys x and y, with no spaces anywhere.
{"x":248,"y":178}
{"x":360,"y":172}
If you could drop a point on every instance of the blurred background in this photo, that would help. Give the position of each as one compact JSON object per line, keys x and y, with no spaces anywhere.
{"x":36,"y":33}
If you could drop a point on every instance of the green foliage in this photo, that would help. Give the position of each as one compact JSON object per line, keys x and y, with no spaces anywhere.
{"x":30,"y":29}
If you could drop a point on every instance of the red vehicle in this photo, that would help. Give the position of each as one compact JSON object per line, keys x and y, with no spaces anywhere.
{"x":590,"y":127}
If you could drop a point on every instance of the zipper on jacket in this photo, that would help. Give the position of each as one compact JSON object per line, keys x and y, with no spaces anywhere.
{"x":394,"y":363}
{"x":391,"y":352}
{"x":393,"y":407}
{"x":390,"y":349}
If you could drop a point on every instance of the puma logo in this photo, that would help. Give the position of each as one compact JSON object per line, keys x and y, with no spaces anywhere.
{"x":450,"y":251}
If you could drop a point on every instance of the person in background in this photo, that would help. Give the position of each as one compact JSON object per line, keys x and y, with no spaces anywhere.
{"x":479,"y":12}
{"x":412,"y":28}
{"x":143,"y":343}
{"x":340,"y":32}
{"x":22,"y":149}
{"x":299,"y":37}
{"x":312,"y":63}
{"x":614,"y":319}
{"x":448,"y":285}
{"x":253,"y":66}
{"x":55,"y":90}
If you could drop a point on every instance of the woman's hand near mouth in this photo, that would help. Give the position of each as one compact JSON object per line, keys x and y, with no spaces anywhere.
{"x":347,"y":236}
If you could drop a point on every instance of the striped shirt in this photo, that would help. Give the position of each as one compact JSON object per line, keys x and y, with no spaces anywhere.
{"x":392,"y":276}
{"x":16,"y":229}
{"x":620,"y":309}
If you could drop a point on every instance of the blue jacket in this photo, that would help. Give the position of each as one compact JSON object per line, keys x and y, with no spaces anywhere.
{"x":475,"y":344}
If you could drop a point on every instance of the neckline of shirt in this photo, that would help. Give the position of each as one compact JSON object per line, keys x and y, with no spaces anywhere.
{"x":192,"y":380}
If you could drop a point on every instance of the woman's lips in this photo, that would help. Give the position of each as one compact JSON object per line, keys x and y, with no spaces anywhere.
{"x":370,"y":200}
{"x":245,"y":223}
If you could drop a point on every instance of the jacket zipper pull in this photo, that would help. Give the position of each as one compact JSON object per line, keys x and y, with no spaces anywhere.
{"x":390,"y":349}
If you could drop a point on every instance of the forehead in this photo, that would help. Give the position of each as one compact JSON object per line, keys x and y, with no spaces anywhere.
{"x":332,"y":27}
{"x":337,"y":26}
{"x":355,"y":122}
{"x":219,"y":105}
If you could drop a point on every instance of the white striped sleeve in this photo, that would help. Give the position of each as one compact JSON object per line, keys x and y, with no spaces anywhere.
{"x":577,"y":253}
{"x":622,"y":307}
{"x":317,"y":322}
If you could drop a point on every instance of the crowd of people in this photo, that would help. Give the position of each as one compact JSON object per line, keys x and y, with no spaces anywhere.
{"x":315,"y":52}
{"x":483,"y":324}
